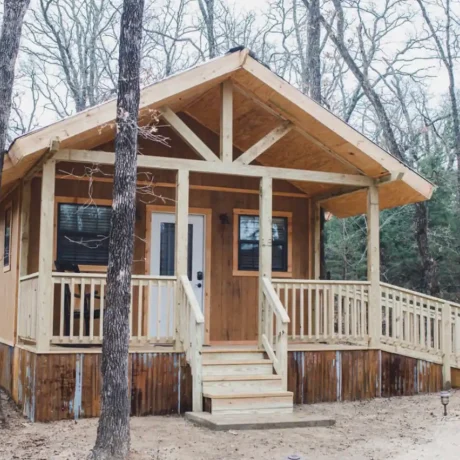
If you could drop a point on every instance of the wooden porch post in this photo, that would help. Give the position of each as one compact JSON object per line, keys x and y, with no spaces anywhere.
{"x":317,"y":248}
{"x":373,"y":265}
{"x":45,"y":264}
{"x":265,"y":245}
{"x":181,"y":243}
{"x":226,"y":122}
{"x":446,"y":344}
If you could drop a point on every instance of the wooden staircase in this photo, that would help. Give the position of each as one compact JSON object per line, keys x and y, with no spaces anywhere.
{"x":242,"y":381}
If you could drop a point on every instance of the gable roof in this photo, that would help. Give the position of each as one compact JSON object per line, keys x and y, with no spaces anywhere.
{"x":320,"y":141}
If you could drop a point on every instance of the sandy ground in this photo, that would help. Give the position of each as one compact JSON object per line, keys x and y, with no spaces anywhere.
{"x":410,"y":428}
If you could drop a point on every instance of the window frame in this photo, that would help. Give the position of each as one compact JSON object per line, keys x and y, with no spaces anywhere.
{"x":8,"y":209}
{"x":236,"y":230}
{"x":73,"y":200}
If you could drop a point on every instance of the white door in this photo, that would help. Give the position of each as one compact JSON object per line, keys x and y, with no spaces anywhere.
{"x":162,"y":263}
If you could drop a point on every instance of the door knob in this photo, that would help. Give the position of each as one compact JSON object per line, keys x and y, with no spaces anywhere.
{"x":199,"y":276}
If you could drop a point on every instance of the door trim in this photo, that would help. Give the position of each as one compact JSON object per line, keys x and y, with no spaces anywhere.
{"x":207,"y":213}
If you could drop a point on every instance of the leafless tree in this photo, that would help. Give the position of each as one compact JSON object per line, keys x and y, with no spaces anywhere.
{"x":113,"y":434}
{"x":445,"y":35}
{"x":74,"y":44}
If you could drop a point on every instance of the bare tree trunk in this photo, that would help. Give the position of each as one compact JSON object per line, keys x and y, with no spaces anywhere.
{"x":314,"y":51}
{"x":207,"y":10}
{"x":13,"y":18}
{"x":113,"y":433}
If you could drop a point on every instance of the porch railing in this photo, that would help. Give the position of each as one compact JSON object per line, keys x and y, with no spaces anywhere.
{"x":420,"y":322}
{"x":27,"y":309}
{"x":80,"y":301}
{"x":191,"y":330}
{"x":275,"y":330}
{"x":325,"y":311}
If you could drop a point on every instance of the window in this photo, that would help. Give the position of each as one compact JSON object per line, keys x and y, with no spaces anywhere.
{"x":167,"y":248}
{"x":7,"y":240}
{"x":246,"y":242}
{"x":83,"y":234}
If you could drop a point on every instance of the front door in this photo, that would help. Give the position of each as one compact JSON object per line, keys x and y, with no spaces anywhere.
{"x":162,"y":263}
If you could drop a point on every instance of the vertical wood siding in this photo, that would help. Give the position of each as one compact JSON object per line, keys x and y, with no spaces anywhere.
{"x":328,"y":376}
{"x":6,"y":367}
{"x":67,"y":386}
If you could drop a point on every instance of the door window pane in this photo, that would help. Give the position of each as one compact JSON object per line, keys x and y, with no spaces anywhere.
{"x":167,"y":248}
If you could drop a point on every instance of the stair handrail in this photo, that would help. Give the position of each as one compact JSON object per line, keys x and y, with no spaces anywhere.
{"x":275,"y":344}
{"x":192,"y":335}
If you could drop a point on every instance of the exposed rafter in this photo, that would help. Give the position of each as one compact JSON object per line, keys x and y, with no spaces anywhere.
{"x":188,"y":135}
{"x":264,"y":144}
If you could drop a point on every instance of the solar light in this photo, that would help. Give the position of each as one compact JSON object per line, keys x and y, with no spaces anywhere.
{"x":445,"y":395}
{"x":294,"y":457}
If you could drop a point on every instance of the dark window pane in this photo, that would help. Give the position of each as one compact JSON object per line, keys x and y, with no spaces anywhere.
{"x":248,"y":243}
{"x":167,"y":248}
{"x":167,"y":239}
{"x":7,"y":239}
{"x":83,"y":234}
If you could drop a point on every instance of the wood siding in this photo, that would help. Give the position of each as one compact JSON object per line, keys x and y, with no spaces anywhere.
{"x":9,"y":279}
{"x":455,"y":378}
{"x":328,"y":376}
{"x":67,"y":386}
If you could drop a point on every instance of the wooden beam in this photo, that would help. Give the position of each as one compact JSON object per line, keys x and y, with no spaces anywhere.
{"x":209,"y":188}
{"x":226,"y":122}
{"x":188,"y":135}
{"x":446,"y":345}
{"x":233,"y":169}
{"x":45,"y":261}
{"x":264,"y":144}
{"x":265,"y":245}
{"x":373,"y":265}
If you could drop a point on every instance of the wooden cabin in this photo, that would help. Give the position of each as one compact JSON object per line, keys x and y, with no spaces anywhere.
{"x":228,"y":311}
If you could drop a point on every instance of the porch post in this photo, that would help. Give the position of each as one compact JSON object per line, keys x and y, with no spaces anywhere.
{"x":265,"y":244}
{"x":373,"y":265}
{"x":446,"y":344}
{"x":45,"y":264}
{"x":317,"y":235}
{"x":181,"y":243}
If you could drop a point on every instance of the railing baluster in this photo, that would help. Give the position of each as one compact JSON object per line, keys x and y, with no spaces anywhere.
{"x":302,"y":313}
{"x":101,"y":318}
{"x":72,"y":307}
{"x":62,"y":309}
{"x":91,"y":314}
{"x":140,"y":303}
{"x":159,"y":324}
{"x":82,"y":309}
{"x":317,"y":312}
{"x":310,"y":308}
{"x":294,"y":312}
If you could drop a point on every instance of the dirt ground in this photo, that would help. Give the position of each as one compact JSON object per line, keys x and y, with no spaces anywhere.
{"x":410,"y":428}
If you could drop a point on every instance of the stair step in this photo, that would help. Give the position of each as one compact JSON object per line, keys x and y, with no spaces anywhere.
{"x":241,"y":384}
{"x":232,"y":355}
{"x":280,"y":402}
{"x":250,"y":367}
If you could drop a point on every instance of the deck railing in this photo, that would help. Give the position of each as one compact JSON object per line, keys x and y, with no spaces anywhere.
{"x":325,"y":311}
{"x":27,"y":309}
{"x":80,"y":300}
{"x":191,"y":329}
{"x":275,"y":330}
